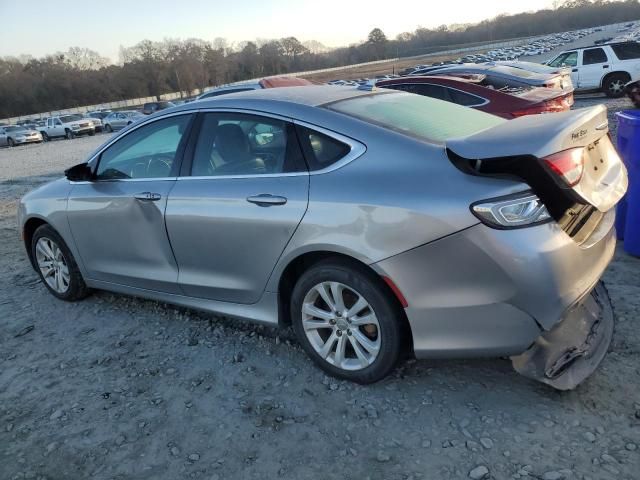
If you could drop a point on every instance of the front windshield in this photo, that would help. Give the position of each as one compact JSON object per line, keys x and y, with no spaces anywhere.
{"x":70,"y":118}
{"x":424,"y":118}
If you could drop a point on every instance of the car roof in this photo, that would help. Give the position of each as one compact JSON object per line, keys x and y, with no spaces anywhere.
{"x":621,"y":42}
{"x":427,"y":78}
{"x":273,"y":82}
{"x":310,"y":95}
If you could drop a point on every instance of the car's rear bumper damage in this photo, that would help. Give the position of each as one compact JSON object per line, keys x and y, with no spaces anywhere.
{"x":527,"y":293}
{"x":572,"y":350}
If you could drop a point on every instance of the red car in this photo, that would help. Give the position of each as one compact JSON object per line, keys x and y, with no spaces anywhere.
{"x":472,"y":92}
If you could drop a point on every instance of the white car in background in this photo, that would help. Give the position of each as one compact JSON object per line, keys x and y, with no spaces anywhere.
{"x":607,"y":67}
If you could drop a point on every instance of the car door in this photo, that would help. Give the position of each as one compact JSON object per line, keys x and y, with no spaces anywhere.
{"x":242,"y":196}
{"x":118,"y":121}
{"x":569,"y":60}
{"x":594,"y":66}
{"x":117,"y":219}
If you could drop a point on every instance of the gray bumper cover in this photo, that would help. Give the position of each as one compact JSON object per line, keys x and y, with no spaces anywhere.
{"x":566,"y":355}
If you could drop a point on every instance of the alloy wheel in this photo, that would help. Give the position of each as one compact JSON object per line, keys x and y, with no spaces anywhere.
{"x":616,"y":87}
{"x":341,"y":326}
{"x":52,"y":264}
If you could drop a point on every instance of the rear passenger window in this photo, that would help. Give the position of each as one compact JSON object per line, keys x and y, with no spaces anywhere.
{"x":627,"y":51}
{"x":320,"y":150}
{"x":593,"y":56}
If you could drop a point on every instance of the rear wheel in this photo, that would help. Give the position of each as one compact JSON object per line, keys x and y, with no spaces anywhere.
{"x":346,"y":321}
{"x":614,"y":84}
{"x":56,"y":266}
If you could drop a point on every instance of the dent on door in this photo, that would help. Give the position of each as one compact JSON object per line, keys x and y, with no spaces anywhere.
{"x":119,"y":231}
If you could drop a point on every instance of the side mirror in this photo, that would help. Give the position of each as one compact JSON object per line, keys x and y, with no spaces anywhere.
{"x":79,"y":173}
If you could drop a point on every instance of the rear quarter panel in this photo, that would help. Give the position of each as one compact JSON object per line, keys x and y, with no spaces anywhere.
{"x":401,"y":193}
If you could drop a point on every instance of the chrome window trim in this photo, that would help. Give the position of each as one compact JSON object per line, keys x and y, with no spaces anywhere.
{"x":357,"y":149}
{"x":485,"y":100}
{"x":112,"y":180}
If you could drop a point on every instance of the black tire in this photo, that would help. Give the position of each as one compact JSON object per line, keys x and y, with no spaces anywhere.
{"x":45,"y":137}
{"x":108,"y":128}
{"x":92,"y":133}
{"x":69,"y":135}
{"x":77,"y":289}
{"x":10,"y":142}
{"x":381,"y":302}
{"x":613,"y":85}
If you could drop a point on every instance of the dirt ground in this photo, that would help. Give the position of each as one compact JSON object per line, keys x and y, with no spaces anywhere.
{"x":115,"y":387}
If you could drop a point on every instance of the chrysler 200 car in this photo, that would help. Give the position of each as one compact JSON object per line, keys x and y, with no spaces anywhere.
{"x":377,"y":223}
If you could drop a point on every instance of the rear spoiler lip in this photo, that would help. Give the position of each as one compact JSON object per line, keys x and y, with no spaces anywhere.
{"x":536,"y":135}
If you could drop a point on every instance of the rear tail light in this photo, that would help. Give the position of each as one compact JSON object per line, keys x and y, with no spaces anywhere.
{"x":568,"y":165}
{"x":560,"y":104}
{"x":514,"y":211}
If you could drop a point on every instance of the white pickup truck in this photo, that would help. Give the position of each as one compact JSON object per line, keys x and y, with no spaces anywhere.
{"x":608,"y":67}
{"x":67,"y":126}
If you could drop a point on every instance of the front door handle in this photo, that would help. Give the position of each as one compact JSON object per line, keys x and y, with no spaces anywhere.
{"x":267,"y":200}
{"x":147,"y":196}
{"x":574,"y":70}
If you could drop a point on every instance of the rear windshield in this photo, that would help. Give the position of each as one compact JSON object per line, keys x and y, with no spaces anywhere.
{"x":424,"y":118}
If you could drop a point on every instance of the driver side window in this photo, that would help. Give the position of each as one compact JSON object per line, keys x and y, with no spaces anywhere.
{"x":147,"y":152}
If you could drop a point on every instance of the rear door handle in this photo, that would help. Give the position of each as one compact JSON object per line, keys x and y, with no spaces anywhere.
{"x":147,"y":196}
{"x":267,"y":200}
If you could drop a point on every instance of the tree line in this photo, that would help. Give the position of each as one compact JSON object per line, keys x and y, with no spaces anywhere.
{"x":81,"y":77}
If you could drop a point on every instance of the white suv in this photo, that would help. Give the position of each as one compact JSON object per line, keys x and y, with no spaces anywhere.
{"x":607,"y":67}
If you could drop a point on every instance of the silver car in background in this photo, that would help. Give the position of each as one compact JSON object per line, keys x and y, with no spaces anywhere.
{"x":119,"y":120}
{"x":13,"y":135}
{"x":379,"y":224}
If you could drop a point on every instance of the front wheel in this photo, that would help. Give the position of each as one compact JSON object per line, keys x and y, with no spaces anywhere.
{"x":45,"y":137}
{"x":10,"y":142}
{"x":69,"y":135}
{"x":347,"y":321}
{"x":56,"y":266}
{"x":614,"y":85}
{"x":108,"y":128}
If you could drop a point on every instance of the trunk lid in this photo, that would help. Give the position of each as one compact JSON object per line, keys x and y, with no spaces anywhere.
{"x":520,"y":146}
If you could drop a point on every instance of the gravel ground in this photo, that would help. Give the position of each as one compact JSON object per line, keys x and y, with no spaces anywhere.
{"x":121,"y":388}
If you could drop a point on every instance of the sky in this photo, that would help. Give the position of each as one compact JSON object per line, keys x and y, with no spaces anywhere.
{"x":40,"y":27}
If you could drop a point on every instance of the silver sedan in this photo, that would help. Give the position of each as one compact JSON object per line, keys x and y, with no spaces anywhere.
{"x":13,"y":135}
{"x":379,"y":224}
{"x":119,"y":120}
